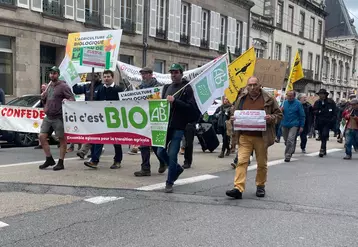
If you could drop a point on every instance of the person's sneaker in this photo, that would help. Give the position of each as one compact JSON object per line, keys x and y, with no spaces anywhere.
{"x":133,"y":151}
{"x":38,"y":147}
{"x":49,"y":162}
{"x":318,"y":139}
{"x":142,"y":173}
{"x":116,"y":165}
{"x":182,"y":151}
{"x":91,"y":164}
{"x":168,"y":188}
{"x":287,"y":159}
{"x":260,"y":191}
{"x":340,"y":140}
{"x":162,"y":168}
{"x":179,"y":173}
{"x":81,"y":155}
{"x":234,"y":193}
{"x":186,"y":165}
{"x":233,"y":165}
{"x":322,"y":153}
{"x":69,"y":150}
{"x":59,"y":166}
{"x":221,"y":155}
{"x":89,"y":156}
{"x":303,"y":151}
{"x":227,"y":153}
{"x":347,"y":157}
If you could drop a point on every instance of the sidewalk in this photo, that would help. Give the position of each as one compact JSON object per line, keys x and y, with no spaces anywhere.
{"x":76,"y":174}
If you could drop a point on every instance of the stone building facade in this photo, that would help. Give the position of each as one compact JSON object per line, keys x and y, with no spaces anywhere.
{"x":156,"y":33}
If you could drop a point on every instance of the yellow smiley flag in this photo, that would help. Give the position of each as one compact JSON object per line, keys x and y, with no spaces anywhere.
{"x":239,"y":71}
{"x":296,"y":72}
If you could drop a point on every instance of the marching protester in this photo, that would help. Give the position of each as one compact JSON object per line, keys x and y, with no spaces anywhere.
{"x":56,"y":92}
{"x":292,"y":123}
{"x":255,"y":98}
{"x":326,"y":114}
{"x":351,"y":115}
{"x":188,"y":141}
{"x":341,"y":107}
{"x":86,"y":90}
{"x":222,"y":115}
{"x":148,"y":81}
{"x":183,"y":110}
{"x":307,"y":108}
{"x":107,"y":91}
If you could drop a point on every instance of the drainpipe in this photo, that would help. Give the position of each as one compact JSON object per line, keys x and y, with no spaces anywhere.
{"x":145,"y":32}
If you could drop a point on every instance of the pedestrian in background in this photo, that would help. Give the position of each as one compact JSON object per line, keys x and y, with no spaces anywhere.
{"x":351,"y":116}
{"x":307,"y":108}
{"x":222,"y":115}
{"x":292,"y":123}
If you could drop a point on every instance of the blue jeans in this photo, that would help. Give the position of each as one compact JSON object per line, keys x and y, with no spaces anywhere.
{"x":96,"y":151}
{"x":170,"y":156}
{"x":351,"y":140}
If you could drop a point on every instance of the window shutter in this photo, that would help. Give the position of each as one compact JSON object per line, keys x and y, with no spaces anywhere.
{"x":171,"y":20}
{"x":244,"y":36}
{"x":116,"y":14}
{"x":193,"y":24}
{"x":139,"y":20}
{"x":23,"y":3}
{"x":212,"y":30}
{"x":153,"y":18}
{"x":177,"y":20}
{"x":233,"y":30}
{"x":198,"y":26}
{"x":217,"y":27}
{"x":107,"y":13}
{"x":70,"y":9}
{"x":229,"y":32}
{"x":36,"y":5}
{"x":80,"y":11}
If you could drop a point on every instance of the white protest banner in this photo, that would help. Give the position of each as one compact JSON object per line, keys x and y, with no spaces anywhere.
{"x":93,"y":58}
{"x":117,"y":122}
{"x":106,"y":42}
{"x":131,"y":73}
{"x":211,"y":84}
{"x":142,"y":94}
{"x":68,"y":72}
{"x":250,"y":120}
{"x":342,"y":125}
{"x":21,"y":119}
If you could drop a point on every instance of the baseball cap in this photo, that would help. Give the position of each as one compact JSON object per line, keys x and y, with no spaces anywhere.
{"x":146,"y":70}
{"x":176,"y":66}
{"x":354,"y":101}
{"x":55,"y":69}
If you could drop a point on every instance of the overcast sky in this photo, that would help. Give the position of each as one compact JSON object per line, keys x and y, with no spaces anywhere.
{"x":352,"y":6}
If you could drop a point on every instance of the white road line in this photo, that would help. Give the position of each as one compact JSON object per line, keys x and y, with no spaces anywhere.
{"x":178,"y":182}
{"x":3,"y":224}
{"x":270,"y":163}
{"x":103,"y":199}
{"x":328,"y":151}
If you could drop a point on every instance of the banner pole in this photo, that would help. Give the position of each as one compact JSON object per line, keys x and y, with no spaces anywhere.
{"x":92,"y":84}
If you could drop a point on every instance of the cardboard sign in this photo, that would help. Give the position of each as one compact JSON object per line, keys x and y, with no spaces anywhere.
{"x":271,"y":73}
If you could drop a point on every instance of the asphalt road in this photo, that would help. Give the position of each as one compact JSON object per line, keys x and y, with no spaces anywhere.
{"x":309,"y":202}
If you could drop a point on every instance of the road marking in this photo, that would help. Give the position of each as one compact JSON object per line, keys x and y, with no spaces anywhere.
{"x":42,"y":161}
{"x":328,"y":151}
{"x":178,"y":182}
{"x":3,"y":224}
{"x":103,"y":199}
{"x":270,"y":163}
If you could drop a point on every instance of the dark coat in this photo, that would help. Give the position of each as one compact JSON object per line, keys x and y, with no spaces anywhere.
{"x":325,"y":113}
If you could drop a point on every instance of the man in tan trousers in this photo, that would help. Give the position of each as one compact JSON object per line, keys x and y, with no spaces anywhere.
{"x":255,"y":98}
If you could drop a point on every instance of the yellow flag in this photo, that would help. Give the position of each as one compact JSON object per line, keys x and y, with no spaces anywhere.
{"x":239,"y":71}
{"x":296,"y":72}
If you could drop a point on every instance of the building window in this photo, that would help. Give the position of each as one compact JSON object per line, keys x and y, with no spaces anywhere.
{"x":184,"y":19}
{"x":312,"y":28}
{"x":319,"y":34}
{"x":324,"y":67}
{"x":205,"y":25}
{"x":300,"y":53}
{"x":92,"y":6}
{"x":259,"y":53}
{"x":126,"y":10}
{"x":288,"y":57}
{"x":126,"y":59}
{"x":161,"y":14}
{"x":223,"y":21}
{"x":238,"y":34}
{"x":346,"y":74}
{"x":6,"y":65}
{"x":302,"y":24}
{"x":277,"y":51}
{"x":340,"y":71}
{"x":309,"y":61}
{"x":279,"y":13}
{"x":290,"y":18}
{"x":159,"y":66}
{"x":334,"y":69}
{"x":317,"y":63}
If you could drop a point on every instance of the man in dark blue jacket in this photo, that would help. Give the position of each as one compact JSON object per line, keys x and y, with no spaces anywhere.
{"x":292,"y":123}
{"x":86,"y":90}
{"x":107,"y":91}
{"x":183,"y":111}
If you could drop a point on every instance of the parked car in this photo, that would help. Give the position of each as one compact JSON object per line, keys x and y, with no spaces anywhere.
{"x":23,"y":139}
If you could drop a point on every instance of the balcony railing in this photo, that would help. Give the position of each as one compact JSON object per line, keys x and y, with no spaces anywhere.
{"x":184,"y":39}
{"x":222,"y":47}
{"x":93,"y":18}
{"x":128,"y":26}
{"x":204,"y":44}
{"x":52,"y":8}
{"x":238,"y":51}
{"x":161,"y":33}
{"x":8,"y":2}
